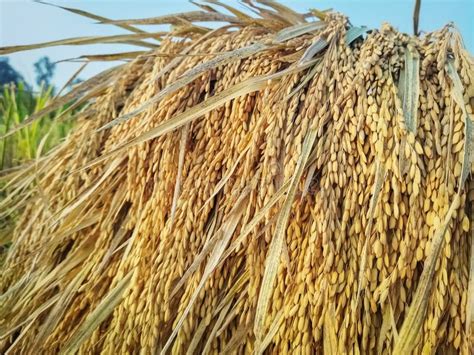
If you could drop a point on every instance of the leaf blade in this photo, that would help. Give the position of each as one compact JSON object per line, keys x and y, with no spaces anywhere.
{"x":98,"y":315}
{"x":276,"y":245}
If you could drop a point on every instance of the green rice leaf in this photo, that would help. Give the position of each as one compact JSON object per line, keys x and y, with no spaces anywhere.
{"x":94,"y":84}
{"x":355,"y":32}
{"x":410,"y":88}
{"x":457,"y":93}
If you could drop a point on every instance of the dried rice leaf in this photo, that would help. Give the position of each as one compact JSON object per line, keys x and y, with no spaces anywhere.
{"x":106,"y":57}
{"x":220,"y":320}
{"x":236,"y":287}
{"x":241,"y":89}
{"x":78,"y":41}
{"x":237,"y":13}
{"x":98,"y":315}
{"x":330,"y":342}
{"x":274,"y":253}
{"x":188,"y":77}
{"x":380,"y":176}
{"x":218,"y":249}
{"x":90,"y":191}
{"x":226,"y":177}
{"x":31,"y":318}
{"x":60,"y":307}
{"x":176,"y":19}
{"x":320,"y":44}
{"x":411,"y":328}
{"x":206,"y":8}
{"x":316,"y":47}
{"x":222,"y":59}
{"x":222,"y":310}
{"x":308,"y":77}
{"x":231,"y":316}
{"x":90,"y":15}
{"x":244,"y":88}
{"x":272,"y":331}
{"x":70,"y":81}
{"x":197,"y":336}
{"x":384,"y":329}
{"x":284,"y":12}
{"x":247,"y":229}
{"x":298,"y":30}
{"x":392,"y":321}
{"x":177,"y":186}
{"x":238,"y":337}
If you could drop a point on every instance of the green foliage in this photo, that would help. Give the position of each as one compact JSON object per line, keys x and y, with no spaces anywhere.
{"x":7,"y":73}
{"x":16,"y":104}
{"x":44,"y":70}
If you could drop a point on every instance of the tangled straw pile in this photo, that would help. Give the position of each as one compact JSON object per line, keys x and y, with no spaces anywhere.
{"x":285,"y":183}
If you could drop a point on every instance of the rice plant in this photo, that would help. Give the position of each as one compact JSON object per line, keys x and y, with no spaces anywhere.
{"x":280,"y":182}
{"x":17,"y":103}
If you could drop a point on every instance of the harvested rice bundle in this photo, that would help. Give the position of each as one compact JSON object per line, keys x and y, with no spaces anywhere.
{"x":285,"y":183}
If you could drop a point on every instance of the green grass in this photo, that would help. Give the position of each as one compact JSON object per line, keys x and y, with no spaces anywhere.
{"x":16,"y":104}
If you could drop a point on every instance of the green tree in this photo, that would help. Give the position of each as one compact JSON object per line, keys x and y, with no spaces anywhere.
{"x":8,"y":74}
{"x":44,"y":69}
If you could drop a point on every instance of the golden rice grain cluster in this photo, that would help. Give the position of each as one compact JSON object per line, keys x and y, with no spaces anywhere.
{"x":280,"y":183}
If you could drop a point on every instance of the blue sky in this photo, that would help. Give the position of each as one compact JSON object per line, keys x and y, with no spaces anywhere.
{"x":25,"y":22}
